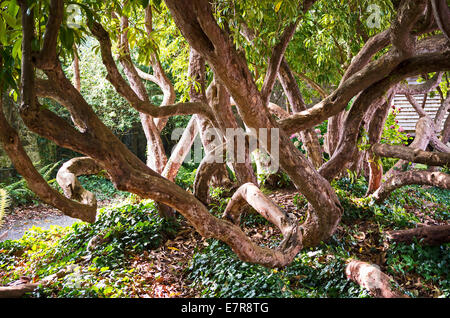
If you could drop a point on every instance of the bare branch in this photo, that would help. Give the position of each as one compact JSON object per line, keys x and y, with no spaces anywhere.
{"x":442,"y":111}
{"x":423,"y":88}
{"x":432,"y":235}
{"x":419,"y":109}
{"x":421,"y":177}
{"x":47,"y":57}
{"x":373,"y":279}
{"x":10,"y":142}
{"x":322,"y":92}
{"x":250,"y":194}
{"x":72,"y":188}
{"x":441,"y":13}
{"x":412,"y":154}
{"x":181,"y":150}
{"x":275,"y":61}
{"x":375,"y":71}
{"x":127,"y":92}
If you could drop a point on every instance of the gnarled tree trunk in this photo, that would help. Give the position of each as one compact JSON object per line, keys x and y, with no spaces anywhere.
{"x":425,"y":235}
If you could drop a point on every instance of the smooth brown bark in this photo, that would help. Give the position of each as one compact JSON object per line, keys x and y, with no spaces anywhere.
{"x":400,"y":179}
{"x":211,"y":172}
{"x":446,"y":131}
{"x":425,"y":235}
{"x":203,"y":33}
{"x":219,"y":99}
{"x":76,"y":69}
{"x":72,"y":188}
{"x":441,"y":13}
{"x":295,"y":98}
{"x":250,"y":194}
{"x":181,"y":150}
{"x":17,"y":291}
{"x":374,"y":162}
{"x":373,"y":279}
{"x":412,"y":154}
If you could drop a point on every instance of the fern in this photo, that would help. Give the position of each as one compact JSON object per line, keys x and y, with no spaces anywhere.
{"x":4,"y":202}
{"x":19,"y":191}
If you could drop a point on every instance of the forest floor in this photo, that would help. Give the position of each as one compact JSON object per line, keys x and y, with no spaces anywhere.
{"x":167,"y":271}
{"x":23,"y":218}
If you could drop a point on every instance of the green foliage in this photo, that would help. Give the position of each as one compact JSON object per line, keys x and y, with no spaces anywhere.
{"x":393,"y":134}
{"x":219,"y":200}
{"x":10,"y":46}
{"x":19,"y":192}
{"x":401,"y":208}
{"x":299,"y":200}
{"x":4,"y":203}
{"x":318,"y":274}
{"x":99,"y":252}
{"x":430,"y":262}
{"x":186,"y":177}
{"x":219,"y":273}
{"x":101,"y":187}
{"x":415,"y":197}
{"x":119,"y":230}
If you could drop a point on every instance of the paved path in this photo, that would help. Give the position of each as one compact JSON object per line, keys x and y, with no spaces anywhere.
{"x":17,"y":229}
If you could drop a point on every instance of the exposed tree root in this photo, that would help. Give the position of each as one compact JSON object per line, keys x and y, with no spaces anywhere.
{"x":17,"y":291}
{"x":373,"y":279}
{"x":22,"y":286}
{"x":426,"y":235}
{"x":287,"y":223}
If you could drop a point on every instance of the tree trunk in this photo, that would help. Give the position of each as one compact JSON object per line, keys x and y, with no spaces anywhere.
{"x":376,"y":173}
{"x":17,"y":291}
{"x":446,"y":131}
{"x":76,"y":69}
{"x":425,"y":235}
{"x":219,"y":99}
{"x":295,"y":98}
{"x":375,"y":132}
{"x":211,"y":136}
{"x":250,"y":194}
{"x":181,"y":150}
